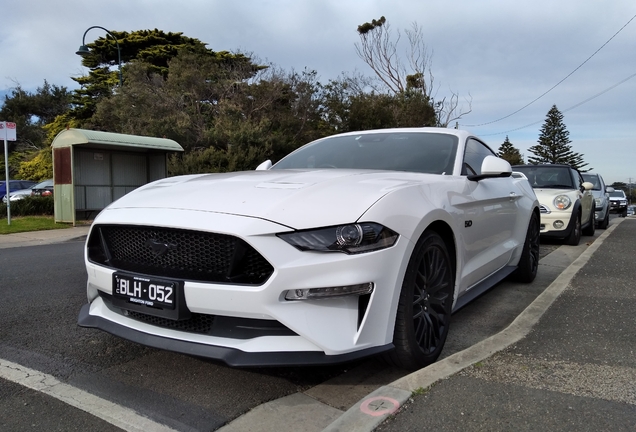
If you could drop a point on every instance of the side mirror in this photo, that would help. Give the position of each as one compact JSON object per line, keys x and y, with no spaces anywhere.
{"x":609,"y":189}
{"x":587,"y":186}
{"x":264,"y":166}
{"x":491,"y":167}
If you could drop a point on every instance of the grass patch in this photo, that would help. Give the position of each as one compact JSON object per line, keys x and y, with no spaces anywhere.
{"x":419,"y":391}
{"x":30,"y":223}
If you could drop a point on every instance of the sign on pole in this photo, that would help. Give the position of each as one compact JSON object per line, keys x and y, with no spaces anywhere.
{"x":7,"y":133}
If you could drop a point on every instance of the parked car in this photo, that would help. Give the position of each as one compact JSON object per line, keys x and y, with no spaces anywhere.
{"x":17,"y":195}
{"x":601,"y":198}
{"x":566,"y":201}
{"x":631,"y":210}
{"x":353,"y":245}
{"x":14,"y":185}
{"x":618,"y":202}
{"x":44,"y":188}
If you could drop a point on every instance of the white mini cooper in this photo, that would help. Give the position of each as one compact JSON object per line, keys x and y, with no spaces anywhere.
{"x":566,"y":201}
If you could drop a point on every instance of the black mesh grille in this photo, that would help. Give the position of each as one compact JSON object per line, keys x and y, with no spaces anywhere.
{"x":181,"y":254}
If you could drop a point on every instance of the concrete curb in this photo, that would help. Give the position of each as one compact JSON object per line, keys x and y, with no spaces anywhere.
{"x":35,"y":238}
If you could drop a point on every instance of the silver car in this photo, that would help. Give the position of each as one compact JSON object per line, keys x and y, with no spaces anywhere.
{"x":601,"y":198}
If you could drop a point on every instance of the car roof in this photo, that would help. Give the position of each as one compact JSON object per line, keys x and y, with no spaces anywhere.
{"x":44,"y":183}
{"x":545,"y":166}
{"x":460,"y":133}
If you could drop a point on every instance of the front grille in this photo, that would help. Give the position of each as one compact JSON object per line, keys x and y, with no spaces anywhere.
{"x":179,"y":254}
{"x":543,"y":209}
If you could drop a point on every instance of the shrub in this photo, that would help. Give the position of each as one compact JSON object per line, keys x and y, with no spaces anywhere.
{"x":29,"y":206}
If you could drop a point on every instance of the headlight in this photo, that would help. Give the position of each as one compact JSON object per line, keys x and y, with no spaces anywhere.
{"x":599,"y":202}
{"x":562,"y":202}
{"x":350,"y":239}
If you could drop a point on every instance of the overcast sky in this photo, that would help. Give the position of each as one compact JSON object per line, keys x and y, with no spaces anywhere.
{"x":501,"y":54}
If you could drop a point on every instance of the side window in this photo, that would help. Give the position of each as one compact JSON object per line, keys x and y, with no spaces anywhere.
{"x":474,"y":155}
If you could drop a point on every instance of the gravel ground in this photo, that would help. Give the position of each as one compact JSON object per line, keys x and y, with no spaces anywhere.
{"x":589,"y":380}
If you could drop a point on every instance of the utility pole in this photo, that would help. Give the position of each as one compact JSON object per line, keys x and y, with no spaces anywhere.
{"x":629,"y":185}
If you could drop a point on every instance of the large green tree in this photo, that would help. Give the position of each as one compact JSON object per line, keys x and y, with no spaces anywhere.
{"x":154,"y":48}
{"x":216,"y":110}
{"x":346,"y":106}
{"x":554,"y":143}
{"x":510,"y":153}
{"x":31,"y":111}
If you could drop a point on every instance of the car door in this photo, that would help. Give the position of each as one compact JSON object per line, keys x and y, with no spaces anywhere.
{"x":490,"y":216}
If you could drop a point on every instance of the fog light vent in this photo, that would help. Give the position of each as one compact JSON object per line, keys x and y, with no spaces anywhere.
{"x":329,"y":292}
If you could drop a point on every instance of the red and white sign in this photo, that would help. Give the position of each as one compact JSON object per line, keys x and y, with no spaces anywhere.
{"x":7,"y":131}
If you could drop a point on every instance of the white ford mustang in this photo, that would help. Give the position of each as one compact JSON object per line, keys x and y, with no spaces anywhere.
{"x":353,"y":245}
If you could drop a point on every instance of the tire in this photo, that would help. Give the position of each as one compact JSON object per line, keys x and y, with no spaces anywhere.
{"x":574,"y":237}
{"x":591,"y":227}
{"x":605,"y":223}
{"x":424,"y":307}
{"x":529,"y":261}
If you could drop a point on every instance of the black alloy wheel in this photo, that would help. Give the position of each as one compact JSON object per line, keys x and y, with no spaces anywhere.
{"x":605,"y":223}
{"x":574,"y":237}
{"x":424,"y":308}
{"x":529,"y":261}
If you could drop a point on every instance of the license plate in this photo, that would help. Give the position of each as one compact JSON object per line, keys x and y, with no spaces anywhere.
{"x":144,"y":291}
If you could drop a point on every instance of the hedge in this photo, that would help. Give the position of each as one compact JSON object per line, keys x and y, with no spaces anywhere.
{"x":29,"y":206}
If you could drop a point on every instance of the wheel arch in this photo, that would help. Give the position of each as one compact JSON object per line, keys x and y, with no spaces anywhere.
{"x":576,"y":212}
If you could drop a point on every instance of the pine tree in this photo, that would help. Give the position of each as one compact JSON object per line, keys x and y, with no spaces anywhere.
{"x":554,"y":143}
{"x":510,"y":153}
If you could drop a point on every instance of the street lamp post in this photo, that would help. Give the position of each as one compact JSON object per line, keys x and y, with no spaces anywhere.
{"x":84,"y":51}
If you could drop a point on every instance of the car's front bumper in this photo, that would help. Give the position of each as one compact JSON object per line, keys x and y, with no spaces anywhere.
{"x":231,"y":356}
{"x":549,"y":219}
{"x":319,"y":331}
{"x":618,"y":207}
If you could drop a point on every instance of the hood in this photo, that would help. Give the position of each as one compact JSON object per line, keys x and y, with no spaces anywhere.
{"x":295,"y":198}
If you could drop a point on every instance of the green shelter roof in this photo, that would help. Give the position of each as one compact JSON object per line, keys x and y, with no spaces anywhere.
{"x":71,"y":137}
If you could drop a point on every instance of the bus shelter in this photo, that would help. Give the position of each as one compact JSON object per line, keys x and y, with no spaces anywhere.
{"x":91,"y":169}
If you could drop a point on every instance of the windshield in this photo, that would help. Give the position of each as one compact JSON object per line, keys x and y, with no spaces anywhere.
{"x":546,"y":176}
{"x":396,"y":151}
{"x":617,"y":194}
{"x":44,"y":184}
{"x":592,"y":178}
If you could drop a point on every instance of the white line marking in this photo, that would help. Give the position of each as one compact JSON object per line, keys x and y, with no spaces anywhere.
{"x":114,"y":414}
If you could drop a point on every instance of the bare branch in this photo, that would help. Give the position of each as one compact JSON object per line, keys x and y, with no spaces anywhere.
{"x":378,"y":51}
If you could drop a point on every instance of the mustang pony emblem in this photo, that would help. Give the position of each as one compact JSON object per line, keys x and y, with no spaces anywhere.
{"x":160,"y":248}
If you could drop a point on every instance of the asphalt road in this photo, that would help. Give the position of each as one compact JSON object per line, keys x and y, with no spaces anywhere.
{"x":43,"y":288}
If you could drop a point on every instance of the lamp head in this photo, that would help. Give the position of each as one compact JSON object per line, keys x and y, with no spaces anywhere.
{"x":83,"y":51}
